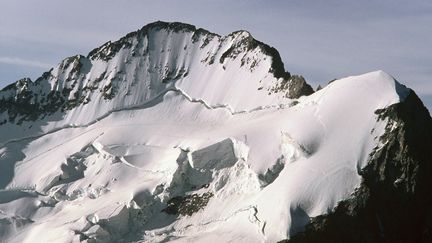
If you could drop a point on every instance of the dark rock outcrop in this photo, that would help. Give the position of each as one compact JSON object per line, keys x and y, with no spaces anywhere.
{"x":188,"y":204}
{"x":294,"y":87}
{"x":298,"y":87}
{"x":394,"y":201}
{"x":64,"y":89}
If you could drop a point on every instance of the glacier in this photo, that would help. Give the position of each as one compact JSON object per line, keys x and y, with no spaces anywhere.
{"x":177,"y":134}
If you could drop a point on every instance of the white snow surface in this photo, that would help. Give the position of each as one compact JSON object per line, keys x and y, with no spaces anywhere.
{"x":106,"y":170}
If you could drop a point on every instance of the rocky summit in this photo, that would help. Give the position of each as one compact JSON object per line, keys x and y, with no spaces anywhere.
{"x":174,"y":133}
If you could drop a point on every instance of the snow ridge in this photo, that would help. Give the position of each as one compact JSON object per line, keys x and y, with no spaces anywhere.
{"x":144,"y":63}
{"x":176,"y":134}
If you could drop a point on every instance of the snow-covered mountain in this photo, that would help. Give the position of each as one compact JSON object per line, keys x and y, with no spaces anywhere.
{"x":174,"y":133}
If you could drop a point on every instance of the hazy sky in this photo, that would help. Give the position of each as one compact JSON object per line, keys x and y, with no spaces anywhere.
{"x":320,"y":40}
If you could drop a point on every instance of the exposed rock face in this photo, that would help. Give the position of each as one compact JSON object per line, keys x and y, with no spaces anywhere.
{"x":26,"y":100}
{"x":188,"y":204}
{"x":298,"y":87}
{"x":394,"y":202}
{"x":155,"y":56}
{"x":174,"y":133}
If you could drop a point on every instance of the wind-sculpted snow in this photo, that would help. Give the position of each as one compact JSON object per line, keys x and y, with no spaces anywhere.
{"x":181,"y":167}
{"x":140,"y":66}
{"x":173,"y":133}
{"x":153,"y":101}
{"x":219,"y":72}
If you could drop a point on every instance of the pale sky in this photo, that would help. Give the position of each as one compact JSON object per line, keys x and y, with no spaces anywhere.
{"x":320,"y":40}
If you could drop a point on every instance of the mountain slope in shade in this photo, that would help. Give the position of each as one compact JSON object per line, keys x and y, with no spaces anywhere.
{"x":173,"y":133}
{"x":394,"y":201}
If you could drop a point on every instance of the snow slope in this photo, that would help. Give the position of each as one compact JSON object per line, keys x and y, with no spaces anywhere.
{"x":140,"y":68}
{"x":208,"y":156}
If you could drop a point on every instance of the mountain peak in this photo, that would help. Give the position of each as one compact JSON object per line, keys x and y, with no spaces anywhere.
{"x":242,"y":38}
{"x":173,"y":127}
{"x":175,"y":27}
{"x":145,"y":63}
